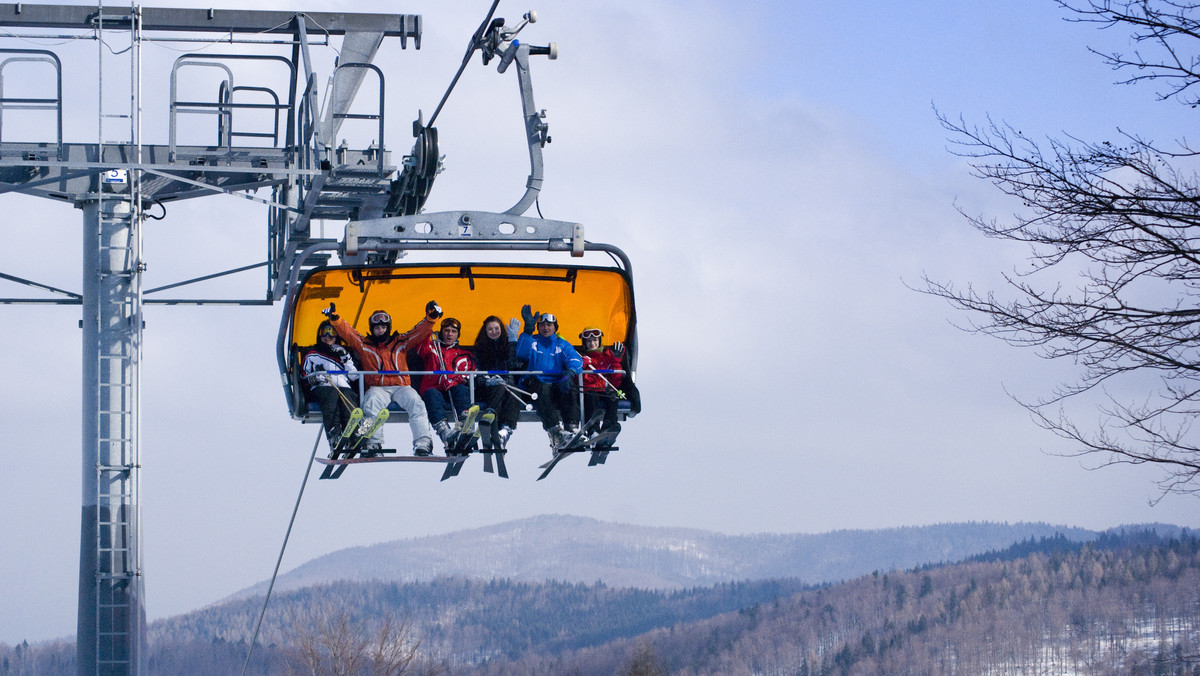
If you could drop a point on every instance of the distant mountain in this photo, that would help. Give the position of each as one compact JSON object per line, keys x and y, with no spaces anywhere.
{"x":578,"y":549}
{"x":1124,"y":602}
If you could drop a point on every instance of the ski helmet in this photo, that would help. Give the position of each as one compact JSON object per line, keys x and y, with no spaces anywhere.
{"x":452,"y":322}
{"x":380,"y":318}
{"x":591,"y":332}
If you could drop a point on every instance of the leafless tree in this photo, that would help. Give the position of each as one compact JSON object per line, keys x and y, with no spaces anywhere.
{"x":328,"y":641}
{"x":645,"y":662}
{"x":1122,"y":219}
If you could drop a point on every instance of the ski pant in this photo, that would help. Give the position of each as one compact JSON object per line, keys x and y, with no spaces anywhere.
{"x":554,"y":403}
{"x":435,"y":402}
{"x":378,"y":397}
{"x":599,"y":400}
{"x":335,"y":410}
{"x":498,"y":398}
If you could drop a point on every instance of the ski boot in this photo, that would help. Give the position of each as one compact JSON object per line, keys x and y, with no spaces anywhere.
{"x":612,"y":430}
{"x":446,"y":433}
{"x":500,"y":442}
{"x":423,"y":448}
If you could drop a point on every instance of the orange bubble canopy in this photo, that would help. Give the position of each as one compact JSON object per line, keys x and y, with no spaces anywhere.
{"x":578,"y":296}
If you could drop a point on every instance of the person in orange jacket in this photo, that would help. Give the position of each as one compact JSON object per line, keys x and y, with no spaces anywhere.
{"x":384,"y":350}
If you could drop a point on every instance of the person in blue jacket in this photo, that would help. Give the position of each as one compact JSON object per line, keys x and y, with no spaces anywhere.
{"x":543,"y":349}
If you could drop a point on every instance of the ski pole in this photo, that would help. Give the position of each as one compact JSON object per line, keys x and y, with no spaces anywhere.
{"x":524,"y":404}
{"x":620,"y":394}
{"x":514,"y":388}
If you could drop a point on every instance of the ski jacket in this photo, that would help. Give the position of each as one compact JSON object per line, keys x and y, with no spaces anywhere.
{"x":600,"y":360}
{"x":383,"y":355}
{"x":496,"y":355}
{"x":548,"y":354}
{"x":319,"y":358}
{"x":439,"y":357}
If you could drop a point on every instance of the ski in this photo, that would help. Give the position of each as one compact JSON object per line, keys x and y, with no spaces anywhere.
{"x":487,"y":433}
{"x":466,"y":434}
{"x":597,"y":445}
{"x":343,"y":438}
{"x":463,"y":442}
{"x":352,"y":423}
{"x":500,"y":469}
{"x":580,"y":438}
{"x":575,"y":444}
{"x":365,"y":432}
{"x":558,"y":455}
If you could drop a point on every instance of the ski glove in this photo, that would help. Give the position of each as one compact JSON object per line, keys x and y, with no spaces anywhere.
{"x":514,"y":329}
{"x":432,"y":311}
{"x":331,"y":312}
{"x":531,"y":318}
{"x":568,"y":380}
{"x":618,"y":350}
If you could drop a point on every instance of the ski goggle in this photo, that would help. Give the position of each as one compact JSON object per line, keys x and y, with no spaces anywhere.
{"x":327,"y":332}
{"x":547,"y":318}
{"x":381,"y":317}
{"x":591,"y":333}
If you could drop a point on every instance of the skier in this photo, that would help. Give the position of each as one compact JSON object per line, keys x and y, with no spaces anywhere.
{"x":601,"y":389}
{"x":333,"y":391}
{"x":384,"y":350}
{"x":543,"y":350}
{"x":495,"y":350}
{"x":442,"y":353}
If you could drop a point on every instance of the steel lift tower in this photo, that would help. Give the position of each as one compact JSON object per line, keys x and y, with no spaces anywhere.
{"x":115,"y":179}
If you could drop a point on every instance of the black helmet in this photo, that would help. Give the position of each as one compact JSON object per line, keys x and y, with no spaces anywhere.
{"x":326,"y":327}
{"x":380,"y":318}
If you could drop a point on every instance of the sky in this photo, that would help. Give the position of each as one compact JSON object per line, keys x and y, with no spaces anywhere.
{"x":776,"y":172}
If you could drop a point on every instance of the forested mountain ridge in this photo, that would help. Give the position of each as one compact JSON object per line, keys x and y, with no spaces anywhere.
{"x":1126,"y":603}
{"x":579,"y":549}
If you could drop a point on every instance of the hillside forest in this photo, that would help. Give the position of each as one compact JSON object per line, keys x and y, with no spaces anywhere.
{"x":1127,"y":603}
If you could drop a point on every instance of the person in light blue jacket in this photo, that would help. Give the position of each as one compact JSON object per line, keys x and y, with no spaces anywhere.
{"x":544,"y":350}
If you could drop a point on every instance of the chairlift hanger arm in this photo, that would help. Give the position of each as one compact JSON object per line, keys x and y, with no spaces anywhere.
{"x":537,"y":132}
{"x":495,"y":39}
{"x":502,"y":42}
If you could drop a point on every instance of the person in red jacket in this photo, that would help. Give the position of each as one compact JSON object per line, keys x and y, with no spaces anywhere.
{"x":442,"y":353}
{"x":601,"y":389}
{"x":384,"y":350}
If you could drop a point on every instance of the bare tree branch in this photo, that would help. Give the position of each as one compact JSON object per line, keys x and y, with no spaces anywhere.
{"x":1113,"y":274}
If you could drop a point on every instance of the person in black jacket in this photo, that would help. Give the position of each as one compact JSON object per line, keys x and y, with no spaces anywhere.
{"x":494,"y":351}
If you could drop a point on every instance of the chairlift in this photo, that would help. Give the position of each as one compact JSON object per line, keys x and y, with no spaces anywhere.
{"x":374,"y":272}
{"x":579,"y":295}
